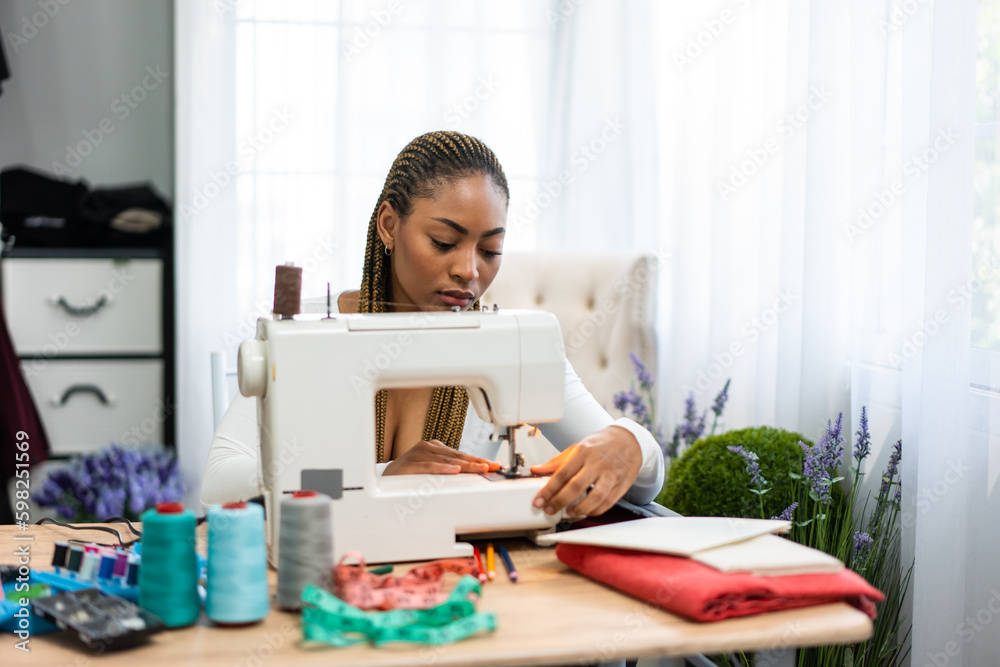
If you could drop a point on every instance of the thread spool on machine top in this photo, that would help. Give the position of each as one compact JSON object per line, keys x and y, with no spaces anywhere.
{"x":287,"y":291}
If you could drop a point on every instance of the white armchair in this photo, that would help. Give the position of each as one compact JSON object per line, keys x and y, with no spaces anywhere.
{"x":606,"y":305}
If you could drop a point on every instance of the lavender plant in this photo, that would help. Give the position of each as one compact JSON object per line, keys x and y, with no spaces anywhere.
{"x":640,"y":405}
{"x":839,"y":524}
{"x":116,"y":481}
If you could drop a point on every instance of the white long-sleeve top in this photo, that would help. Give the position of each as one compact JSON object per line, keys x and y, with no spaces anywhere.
{"x":231,"y":470}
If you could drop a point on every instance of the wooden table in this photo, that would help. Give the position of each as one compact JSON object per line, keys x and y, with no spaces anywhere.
{"x":551,"y":616}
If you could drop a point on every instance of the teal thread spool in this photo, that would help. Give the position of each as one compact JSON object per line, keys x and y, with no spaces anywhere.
{"x":237,"y":564}
{"x":168,"y":578}
{"x":305,"y":546}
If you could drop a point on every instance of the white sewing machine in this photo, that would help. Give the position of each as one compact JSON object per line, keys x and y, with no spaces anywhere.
{"x":316,"y":382}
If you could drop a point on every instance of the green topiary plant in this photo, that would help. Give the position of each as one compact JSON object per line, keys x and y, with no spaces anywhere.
{"x":710,"y":479}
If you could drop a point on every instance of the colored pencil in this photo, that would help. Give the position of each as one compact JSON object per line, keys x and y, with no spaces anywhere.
{"x":511,"y":572}
{"x":491,"y":569}
{"x":480,"y":570}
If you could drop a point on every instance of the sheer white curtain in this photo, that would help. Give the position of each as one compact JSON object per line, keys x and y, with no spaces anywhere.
{"x":755,"y":105}
{"x":599,"y":149}
{"x":864,"y":217}
{"x":206,"y":221}
{"x":950,"y":413}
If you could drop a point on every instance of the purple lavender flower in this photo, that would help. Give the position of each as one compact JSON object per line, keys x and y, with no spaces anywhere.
{"x":788,"y":513}
{"x":693,"y":426}
{"x":675,"y":443}
{"x":66,"y":510}
{"x":815,"y":472}
{"x":690,"y":411}
{"x":641,"y":413}
{"x":891,"y":470}
{"x":720,"y":401}
{"x":113,"y":482}
{"x":862,"y":544}
{"x":833,"y":444}
{"x":643,"y":373}
{"x":823,"y":459}
{"x":863,"y":446}
{"x":753,"y":465}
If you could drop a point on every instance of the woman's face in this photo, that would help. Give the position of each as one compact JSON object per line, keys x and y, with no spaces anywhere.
{"x":447,"y":252}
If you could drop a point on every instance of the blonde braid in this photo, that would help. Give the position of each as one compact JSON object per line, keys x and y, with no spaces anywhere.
{"x":425,"y":165}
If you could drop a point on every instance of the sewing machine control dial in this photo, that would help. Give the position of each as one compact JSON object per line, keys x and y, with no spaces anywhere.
{"x":251,"y":366}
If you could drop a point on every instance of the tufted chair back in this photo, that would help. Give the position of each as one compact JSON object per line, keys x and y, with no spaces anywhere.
{"x":605,"y":303}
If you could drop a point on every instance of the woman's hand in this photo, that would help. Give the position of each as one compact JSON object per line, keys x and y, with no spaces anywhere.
{"x":606,"y":462}
{"x":435,"y":457}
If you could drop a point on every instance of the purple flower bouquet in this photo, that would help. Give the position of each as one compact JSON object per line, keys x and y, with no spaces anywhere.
{"x":115,"y":482}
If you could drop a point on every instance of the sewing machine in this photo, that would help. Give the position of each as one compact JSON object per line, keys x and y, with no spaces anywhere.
{"x":316,"y":381}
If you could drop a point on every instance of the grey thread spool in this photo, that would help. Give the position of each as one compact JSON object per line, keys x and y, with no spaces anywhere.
{"x":305,"y":545}
{"x":287,"y":290}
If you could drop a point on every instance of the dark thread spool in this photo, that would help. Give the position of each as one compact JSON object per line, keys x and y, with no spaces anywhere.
{"x":287,"y":290}
{"x":60,"y":554}
{"x":75,"y":557}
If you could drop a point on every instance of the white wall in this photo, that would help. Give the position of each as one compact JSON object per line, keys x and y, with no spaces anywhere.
{"x":71,"y":62}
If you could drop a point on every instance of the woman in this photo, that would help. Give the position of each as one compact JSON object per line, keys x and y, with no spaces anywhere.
{"x":435,"y":241}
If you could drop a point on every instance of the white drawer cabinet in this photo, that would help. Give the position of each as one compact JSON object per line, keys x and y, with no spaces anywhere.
{"x":87,"y":404}
{"x":84,"y":306}
{"x":92,"y":328}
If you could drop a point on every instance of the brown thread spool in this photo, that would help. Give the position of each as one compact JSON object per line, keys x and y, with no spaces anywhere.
{"x":287,"y":290}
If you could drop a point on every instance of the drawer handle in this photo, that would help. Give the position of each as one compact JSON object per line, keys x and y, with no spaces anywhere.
{"x":82,"y":389}
{"x":81,"y":311}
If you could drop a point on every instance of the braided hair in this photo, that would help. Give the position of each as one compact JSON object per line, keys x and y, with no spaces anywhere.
{"x":422,"y":168}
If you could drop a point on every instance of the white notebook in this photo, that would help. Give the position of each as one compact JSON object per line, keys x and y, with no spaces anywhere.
{"x":677,"y":536}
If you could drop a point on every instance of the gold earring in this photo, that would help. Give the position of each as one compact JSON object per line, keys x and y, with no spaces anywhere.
{"x":387,"y":251}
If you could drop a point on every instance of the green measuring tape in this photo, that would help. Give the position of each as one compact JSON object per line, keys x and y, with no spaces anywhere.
{"x":329,"y":620}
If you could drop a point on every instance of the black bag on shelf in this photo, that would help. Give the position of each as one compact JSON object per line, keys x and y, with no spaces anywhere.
{"x":45,"y":211}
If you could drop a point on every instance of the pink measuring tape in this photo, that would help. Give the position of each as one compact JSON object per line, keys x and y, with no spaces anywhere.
{"x":420,"y":588}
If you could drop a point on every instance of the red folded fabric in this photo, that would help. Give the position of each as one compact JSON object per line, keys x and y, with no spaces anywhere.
{"x":702,"y":593}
